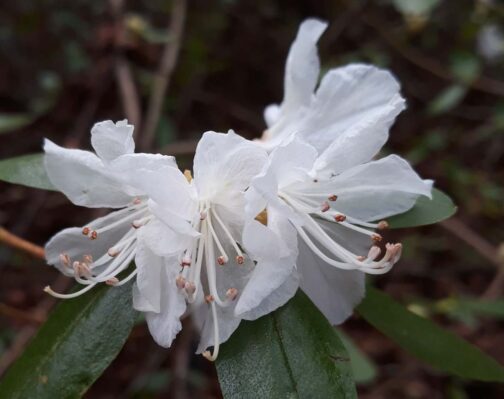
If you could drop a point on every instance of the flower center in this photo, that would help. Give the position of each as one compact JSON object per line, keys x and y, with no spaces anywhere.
{"x":88,"y":271}
{"x":201,"y":253}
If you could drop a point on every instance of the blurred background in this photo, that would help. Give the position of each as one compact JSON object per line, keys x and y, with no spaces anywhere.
{"x":66,"y":65}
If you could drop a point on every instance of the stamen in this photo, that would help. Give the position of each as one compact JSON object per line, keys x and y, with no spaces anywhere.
{"x":228,"y":233}
{"x":325,"y":206}
{"x":207,"y":355}
{"x":221,"y":260}
{"x":240,"y":259}
{"x":203,"y":215}
{"x":65,"y":260}
{"x":361,"y":258}
{"x":209,"y":298}
{"x":332,"y":197}
{"x":231,"y":294}
{"x":339,"y":218}
{"x":374,"y":252}
{"x":112,"y":281}
{"x":94,"y":235}
{"x":68,"y":296}
{"x":190,"y":287}
{"x":180,"y":282}
{"x":85,"y":231}
{"x":376,"y":237}
{"x":137,"y":201}
{"x":382,"y":225}
{"x":113,"y":252}
{"x":87,"y":259}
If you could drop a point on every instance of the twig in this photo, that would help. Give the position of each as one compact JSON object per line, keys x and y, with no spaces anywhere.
{"x":482,"y":83}
{"x":14,"y":241}
{"x":484,"y":248}
{"x":166,"y":68}
{"x":127,"y":88}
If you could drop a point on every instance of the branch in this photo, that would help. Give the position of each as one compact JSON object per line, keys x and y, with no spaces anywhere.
{"x":484,"y":248}
{"x":127,"y":89}
{"x":14,"y":241}
{"x":162,"y":79}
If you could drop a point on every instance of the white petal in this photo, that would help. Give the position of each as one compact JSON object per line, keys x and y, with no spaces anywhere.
{"x":278,"y":297}
{"x":228,"y":323}
{"x":378,"y":189}
{"x":302,"y":67}
{"x":165,"y":325}
{"x":224,"y":163}
{"x":334,"y":291}
{"x":361,"y":141}
{"x":110,"y":140}
{"x":148,"y":278}
{"x":345,"y":97}
{"x":162,"y":240}
{"x":275,"y":250}
{"x":83,"y":178}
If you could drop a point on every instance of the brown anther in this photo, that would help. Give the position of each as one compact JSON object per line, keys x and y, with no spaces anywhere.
{"x":382,"y":225}
{"x":376,"y":238}
{"x":231,"y":294}
{"x":202,"y":215}
{"x":240,"y":259}
{"x":65,"y":259}
{"x":361,"y":258}
{"x":136,"y":224}
{"x":190,"y":287}
{"x":85,"y":231}
{"x":185,"y":263}
{"x":180,"y":282}
{"x":209,"y":298}
{"x":94,"y":235}
{"x":325,"y":206}
{"x":87,"y":259}
{"x":221,"y":260}
{"x":112,"y":281}
{"x":332,"y":197}
{"x":339,"y":218}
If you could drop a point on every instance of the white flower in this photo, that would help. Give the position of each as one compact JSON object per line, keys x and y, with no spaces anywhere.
{"x":354,"y":106}
{"x":205,"y":215}
{"x":105,"y":247}
{"x":316,"y":225}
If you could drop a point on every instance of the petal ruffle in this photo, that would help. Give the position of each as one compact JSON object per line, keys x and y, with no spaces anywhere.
{"x":111,"y":140}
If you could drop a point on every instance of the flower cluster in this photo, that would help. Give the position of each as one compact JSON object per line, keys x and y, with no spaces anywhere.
{"x":301,"y":207}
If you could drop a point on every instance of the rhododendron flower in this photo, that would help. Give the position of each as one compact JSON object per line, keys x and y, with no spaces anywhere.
{"x":315,"y":225}
{"x":102,"y":249}
{"x":205,"y":260}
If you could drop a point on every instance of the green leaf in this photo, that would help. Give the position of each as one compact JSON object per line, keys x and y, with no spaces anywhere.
{"x":11,"y":122}
{"x":291,"y":353}
{"x":72,"y":349}
{"x":425,"y":211}
{"x":27,"y":170}
{"x":427,"y":341}
{"x":363,"y":369}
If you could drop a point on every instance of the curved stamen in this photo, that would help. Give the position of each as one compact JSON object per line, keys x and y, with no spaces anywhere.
{"x":207,"y":355}
{"x":49,"y":290}
{"x":228,"y":234}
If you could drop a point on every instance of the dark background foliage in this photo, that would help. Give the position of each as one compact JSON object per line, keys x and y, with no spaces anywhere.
{"x":58,"y":76}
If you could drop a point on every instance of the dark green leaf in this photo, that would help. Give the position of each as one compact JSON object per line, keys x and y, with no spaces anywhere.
{"x":72,"y":349}
{"x":428,"y":342}
{"x":292,"y":352}
{"x":363,"y":369}
{"x":27,"y":170}
{"x":425,"y":211}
